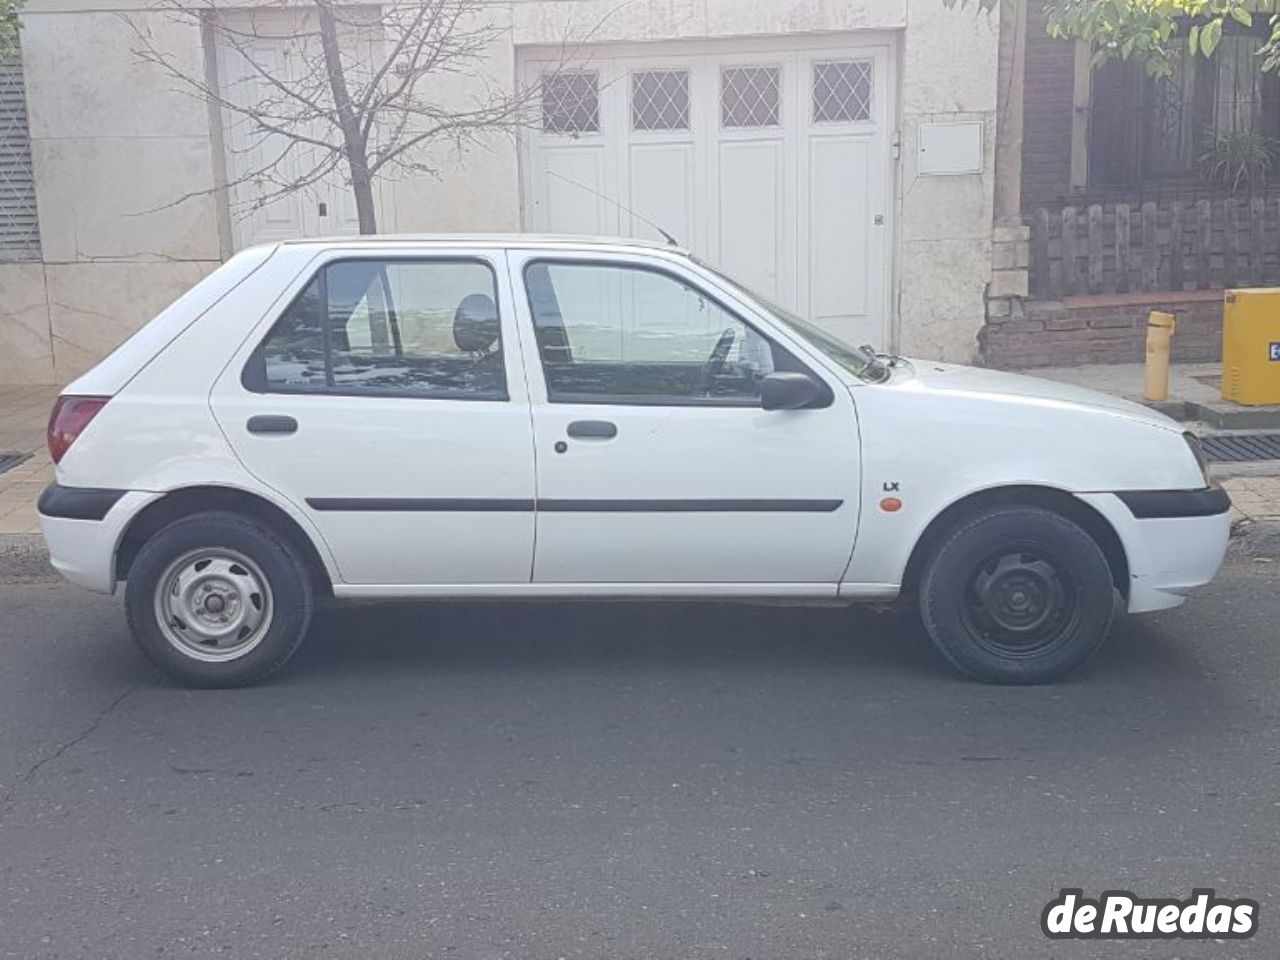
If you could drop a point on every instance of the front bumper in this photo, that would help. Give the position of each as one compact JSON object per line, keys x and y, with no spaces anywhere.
{"x":1175,"y":540}
{"x":82,"y":528}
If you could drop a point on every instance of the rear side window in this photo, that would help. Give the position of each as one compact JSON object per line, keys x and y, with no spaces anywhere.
{"x":413,"y":328}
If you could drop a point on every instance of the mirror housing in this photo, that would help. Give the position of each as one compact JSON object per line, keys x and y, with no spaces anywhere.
{"x":788,"y":391}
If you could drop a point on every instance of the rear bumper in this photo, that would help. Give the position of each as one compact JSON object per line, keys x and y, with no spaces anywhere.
{"x":82,"y":528}
{"x":1175,"y":540}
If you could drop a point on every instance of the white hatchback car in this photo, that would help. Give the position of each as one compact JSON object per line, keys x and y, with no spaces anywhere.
{"x":527,"y":417}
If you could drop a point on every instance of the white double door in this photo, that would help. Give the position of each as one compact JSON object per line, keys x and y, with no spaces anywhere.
{"x":769,"y":159}
{"x":261,"y":165}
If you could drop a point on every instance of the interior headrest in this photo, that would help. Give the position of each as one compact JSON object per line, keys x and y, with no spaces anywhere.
{"x":475,"y":323}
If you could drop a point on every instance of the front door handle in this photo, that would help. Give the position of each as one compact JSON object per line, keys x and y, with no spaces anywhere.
{"x":592,"y":430}
{"x":264,"y":423}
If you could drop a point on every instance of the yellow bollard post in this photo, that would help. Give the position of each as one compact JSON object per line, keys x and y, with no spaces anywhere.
{"x":1160,"y":327}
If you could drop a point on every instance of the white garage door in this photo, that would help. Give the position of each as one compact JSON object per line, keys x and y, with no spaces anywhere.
{"x":769,"y":160}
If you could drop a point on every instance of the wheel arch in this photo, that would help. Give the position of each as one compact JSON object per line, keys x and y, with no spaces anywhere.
{"x":186,"y":501}
{"x":1050,"y":498}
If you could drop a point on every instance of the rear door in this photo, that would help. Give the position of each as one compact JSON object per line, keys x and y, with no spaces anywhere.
{"x":386,"y":401}
{"x":656,"y":462}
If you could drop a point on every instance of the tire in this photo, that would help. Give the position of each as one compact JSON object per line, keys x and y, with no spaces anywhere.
{"x":218,"y":600}
{"x":1017,"y":595}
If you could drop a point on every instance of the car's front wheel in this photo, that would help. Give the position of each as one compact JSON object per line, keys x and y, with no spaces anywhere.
{"x":1017,"y":594}
{"x":218,"y":600}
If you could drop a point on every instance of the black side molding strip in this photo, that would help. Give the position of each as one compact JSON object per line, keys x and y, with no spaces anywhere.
{"x":1168,"y":504}
{"x":424,"y":504}
{"x":419,"y":504}
{"x":77,"y":503}
{"x":689,"y":506}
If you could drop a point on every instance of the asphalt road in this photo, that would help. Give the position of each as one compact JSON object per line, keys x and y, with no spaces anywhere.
{"x":543,"y":781}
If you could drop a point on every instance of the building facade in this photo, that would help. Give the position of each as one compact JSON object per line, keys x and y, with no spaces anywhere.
{"x":840,"y":159}
{"x":1135,"y":192}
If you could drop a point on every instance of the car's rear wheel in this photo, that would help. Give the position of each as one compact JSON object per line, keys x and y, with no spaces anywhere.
{"x":1017,"y":595}
{"x":218,"y":599}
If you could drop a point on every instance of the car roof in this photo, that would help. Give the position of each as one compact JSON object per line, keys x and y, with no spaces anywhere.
{"x":497,"y":240}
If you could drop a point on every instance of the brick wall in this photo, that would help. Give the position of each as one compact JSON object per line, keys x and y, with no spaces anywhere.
{"x":1048,"y":104}
{"x":1105,"y":329}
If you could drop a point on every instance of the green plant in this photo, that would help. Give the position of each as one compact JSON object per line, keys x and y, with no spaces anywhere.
{"x":1240,"y":156}
{"x":9,"y":27}
{"x":1151,"y":31}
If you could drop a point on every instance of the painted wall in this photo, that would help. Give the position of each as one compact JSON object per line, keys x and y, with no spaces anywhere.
{"x":114,"y":148}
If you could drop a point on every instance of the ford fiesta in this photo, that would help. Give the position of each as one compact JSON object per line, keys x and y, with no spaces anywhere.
{"x":542,"y":417}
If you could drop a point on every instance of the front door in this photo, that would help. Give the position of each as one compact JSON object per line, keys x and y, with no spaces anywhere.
{"x":387,"y":404}
{"x":656,"y":462}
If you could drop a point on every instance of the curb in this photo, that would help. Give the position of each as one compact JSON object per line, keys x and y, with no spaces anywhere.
{"x":1255,"y":540}
{"x":1218,"y":417}
{"x":24,"y":557}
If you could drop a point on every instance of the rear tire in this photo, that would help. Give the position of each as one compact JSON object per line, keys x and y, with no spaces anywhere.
{"x":218,"y":599}
{"x":1017,"y":595}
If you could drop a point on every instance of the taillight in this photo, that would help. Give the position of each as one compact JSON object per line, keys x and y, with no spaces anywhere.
{"x":67,"y":421}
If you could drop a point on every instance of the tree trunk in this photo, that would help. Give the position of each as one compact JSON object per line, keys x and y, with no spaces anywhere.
{"x":363,"y":189}
{"x":355,"y":146}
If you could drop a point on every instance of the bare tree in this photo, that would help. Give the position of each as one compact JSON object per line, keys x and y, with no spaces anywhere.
{"x":360,"y":91}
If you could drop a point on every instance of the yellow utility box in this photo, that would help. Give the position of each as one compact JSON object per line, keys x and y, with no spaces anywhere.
{"x":1251,"y":346}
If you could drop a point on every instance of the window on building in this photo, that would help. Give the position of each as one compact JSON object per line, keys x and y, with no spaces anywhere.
{"x":842,"y":91}
{"x":750,"y":97}
{"x":19,"y":228}
{"x":1145,"y":128}
{"x":571,"y":102}
{"x":660,"y":100}
{"x":403,"y":328}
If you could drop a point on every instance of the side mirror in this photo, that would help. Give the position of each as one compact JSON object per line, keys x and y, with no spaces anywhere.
{"x":788,"y":391}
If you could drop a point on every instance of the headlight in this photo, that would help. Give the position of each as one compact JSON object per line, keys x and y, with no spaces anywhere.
{"x":1197,"y":451}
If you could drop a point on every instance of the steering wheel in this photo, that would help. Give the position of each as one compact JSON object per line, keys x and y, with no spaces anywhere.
{"x":719,"y":354}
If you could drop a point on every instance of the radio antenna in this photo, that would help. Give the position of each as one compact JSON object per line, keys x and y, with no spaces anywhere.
{"x":671,"y":241}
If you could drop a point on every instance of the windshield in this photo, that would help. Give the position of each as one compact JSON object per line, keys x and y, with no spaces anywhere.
{"x":860,"y":361}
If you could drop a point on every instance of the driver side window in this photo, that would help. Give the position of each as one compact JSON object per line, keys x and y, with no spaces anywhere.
{"x":619,"y":334}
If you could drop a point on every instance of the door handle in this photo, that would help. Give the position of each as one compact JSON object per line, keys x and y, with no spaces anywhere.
{"x":592,"y":430}
{"x":264,"y":423}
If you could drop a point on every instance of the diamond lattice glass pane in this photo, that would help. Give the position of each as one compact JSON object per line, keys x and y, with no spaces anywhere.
{"x":571,"y":103}
{"x":660,"y":100}
{"x":842,"y":91}
{"x":749,"y":97}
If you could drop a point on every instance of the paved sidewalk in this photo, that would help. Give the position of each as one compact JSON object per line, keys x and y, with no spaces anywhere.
{"x":24,"y":415}
{"x":1195,"y":393}
{"x":1254,"y":498}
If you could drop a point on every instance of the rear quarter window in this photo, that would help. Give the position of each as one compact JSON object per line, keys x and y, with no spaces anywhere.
{"x":110,"y":376}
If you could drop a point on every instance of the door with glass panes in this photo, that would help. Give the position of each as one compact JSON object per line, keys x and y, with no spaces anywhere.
{"x":767,"y":157}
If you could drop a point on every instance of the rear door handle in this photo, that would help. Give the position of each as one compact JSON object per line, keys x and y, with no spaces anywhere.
{"x":593,"y":430}
{"x":264,"y":423}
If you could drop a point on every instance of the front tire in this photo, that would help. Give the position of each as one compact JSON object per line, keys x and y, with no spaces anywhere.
{"x":1017,"y":595}
{"x":218,"y":600}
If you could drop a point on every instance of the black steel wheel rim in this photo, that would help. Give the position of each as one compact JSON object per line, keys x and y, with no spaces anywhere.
{"x":1020,"y":602}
